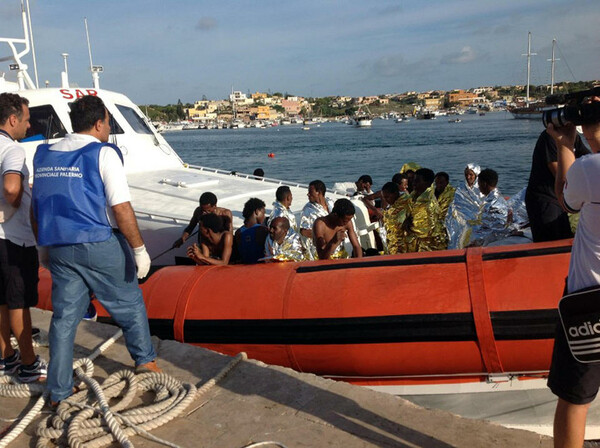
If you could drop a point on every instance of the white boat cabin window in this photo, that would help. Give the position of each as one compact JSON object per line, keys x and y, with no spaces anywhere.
{"x":135,"y":121}
{"x":45,"y":124}
{"x":114,"y":126}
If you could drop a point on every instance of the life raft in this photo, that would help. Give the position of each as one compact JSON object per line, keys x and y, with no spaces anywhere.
{"x":424,"y":318}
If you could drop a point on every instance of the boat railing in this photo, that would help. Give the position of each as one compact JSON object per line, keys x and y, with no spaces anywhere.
{"x":257,"y":178}
{"x":250,"y":176}
{"x":155,"y":216}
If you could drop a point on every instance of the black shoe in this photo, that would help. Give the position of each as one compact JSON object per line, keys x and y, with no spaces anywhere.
{"x":38,"y":371}
{"x":10,"y":364}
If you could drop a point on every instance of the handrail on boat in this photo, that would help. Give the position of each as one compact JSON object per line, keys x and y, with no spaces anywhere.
{"x":252,"y":177}
{"x":152,"y":215}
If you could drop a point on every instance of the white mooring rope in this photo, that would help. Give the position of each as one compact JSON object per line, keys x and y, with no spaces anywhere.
{"x":77,"y":424}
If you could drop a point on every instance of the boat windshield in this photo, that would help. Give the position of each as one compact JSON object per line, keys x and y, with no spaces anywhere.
{"x":115,"y":128}
{"x":137,"y":123}
{"x":45,"y":124}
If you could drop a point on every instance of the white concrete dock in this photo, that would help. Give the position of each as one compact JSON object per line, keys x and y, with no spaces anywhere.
{"x":257,"y":402}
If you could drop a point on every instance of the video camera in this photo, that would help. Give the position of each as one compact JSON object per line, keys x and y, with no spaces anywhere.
{"x":574,"y":111}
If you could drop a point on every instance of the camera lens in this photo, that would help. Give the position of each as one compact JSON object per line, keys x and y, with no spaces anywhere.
{"x":561,"y":116}
{"x":554,"y":116}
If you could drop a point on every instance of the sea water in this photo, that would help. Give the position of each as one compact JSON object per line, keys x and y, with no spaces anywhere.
{"x":337,"y":152}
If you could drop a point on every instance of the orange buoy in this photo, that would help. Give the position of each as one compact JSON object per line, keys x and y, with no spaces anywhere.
{"x":271,"y":155}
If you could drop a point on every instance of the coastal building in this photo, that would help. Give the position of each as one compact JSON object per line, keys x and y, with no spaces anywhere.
{"x":433,"y":103}
{"x":461,"y":97}
{"x":291,"y":107}
{"x":208,"y":105}
{"x":263,"y":113}
{"x":200,"y":114}
{"x":239,"y":97}
{"x":258,"y":96}
{"x":481,"y":90}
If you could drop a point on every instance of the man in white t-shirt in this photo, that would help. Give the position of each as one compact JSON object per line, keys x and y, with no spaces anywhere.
{"x":82,"y":208}
{"x":578,"y":190}
{"x":18,"y":255}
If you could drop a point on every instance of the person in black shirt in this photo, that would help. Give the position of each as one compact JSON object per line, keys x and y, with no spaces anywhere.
{"x":548,"y":220}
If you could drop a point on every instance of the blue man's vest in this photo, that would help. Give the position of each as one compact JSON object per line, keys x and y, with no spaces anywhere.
{"x":68,"y":197}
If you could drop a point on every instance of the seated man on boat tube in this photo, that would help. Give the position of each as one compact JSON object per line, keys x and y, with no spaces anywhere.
{"x":444,"y":193}
{"x":281,"y":207}
{"x":330,"y":232}
{"x":250,"y":238}
{"x":393,"y":216}
{"x":423,"y":229}
{"x":464,"y":209}
{"x":317,"y":206}
{"x":208,"y":204}
{"x":361,"y":187}
{"x":283,"y":243}
{"x":400,"y":179}
{"x":216,"y":242}
{"x":410,"y":168}
{"x":492,"y":223}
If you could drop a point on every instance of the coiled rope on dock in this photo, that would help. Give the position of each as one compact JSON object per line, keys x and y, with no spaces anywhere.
{"x":78,"y":424}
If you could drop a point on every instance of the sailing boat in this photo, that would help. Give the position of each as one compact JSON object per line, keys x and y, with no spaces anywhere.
{"x":533,"y":110}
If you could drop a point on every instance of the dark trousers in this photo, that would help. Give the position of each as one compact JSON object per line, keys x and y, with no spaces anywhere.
{"x":549,"y":222}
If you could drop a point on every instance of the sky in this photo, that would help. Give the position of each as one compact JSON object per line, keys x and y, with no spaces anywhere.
{"x":160,"y":51}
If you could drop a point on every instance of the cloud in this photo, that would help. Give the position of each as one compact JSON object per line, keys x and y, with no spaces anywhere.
{"x":206,"y":24}
{"x":464,"y":56}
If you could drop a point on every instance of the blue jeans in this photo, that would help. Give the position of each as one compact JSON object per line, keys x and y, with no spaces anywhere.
{"x":108,"y":270}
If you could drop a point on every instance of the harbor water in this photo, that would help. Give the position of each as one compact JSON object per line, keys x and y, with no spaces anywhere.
{"x":336,"y":152}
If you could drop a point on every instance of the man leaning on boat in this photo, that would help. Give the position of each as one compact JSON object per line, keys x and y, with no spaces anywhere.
{"x":81,"y":204}
{"x":18,"y":256}
{"x":577,"y":189}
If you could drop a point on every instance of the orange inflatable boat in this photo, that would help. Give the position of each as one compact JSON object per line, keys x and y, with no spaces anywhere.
{"x":437,"y":317}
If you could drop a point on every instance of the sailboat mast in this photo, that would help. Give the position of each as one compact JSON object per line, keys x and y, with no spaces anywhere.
{"x":553,"y":60}
{"x":528,"y":64}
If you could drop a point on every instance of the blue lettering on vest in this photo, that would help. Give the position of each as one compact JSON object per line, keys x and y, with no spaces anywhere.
{"x":68,"y":197}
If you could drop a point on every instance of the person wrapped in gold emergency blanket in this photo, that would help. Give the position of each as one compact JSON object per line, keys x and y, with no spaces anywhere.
{"x":421,"y":229}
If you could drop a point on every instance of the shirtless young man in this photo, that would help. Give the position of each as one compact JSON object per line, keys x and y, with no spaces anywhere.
{"x":330,"y":231}
{"x":216,"y":245}
{"x":208,"y":204}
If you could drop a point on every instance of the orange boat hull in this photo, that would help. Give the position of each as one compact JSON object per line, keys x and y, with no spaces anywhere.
{"x":436,"y":317}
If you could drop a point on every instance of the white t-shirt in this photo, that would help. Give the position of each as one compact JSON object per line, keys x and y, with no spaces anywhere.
{"x":12,"y":160}
{"x":582,"y":193}
{"x":112,"y":171}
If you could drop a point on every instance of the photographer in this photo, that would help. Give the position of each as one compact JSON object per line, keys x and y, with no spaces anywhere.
{"x":548,"y":220}
{"x":577,"y":189}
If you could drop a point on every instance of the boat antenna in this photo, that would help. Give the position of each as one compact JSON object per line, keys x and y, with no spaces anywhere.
{"x":95,"y":69}
{"x":35,"y":70}
{"x":529,"y":54}
{"x":553,"y":60}
{"x":65,"y":74}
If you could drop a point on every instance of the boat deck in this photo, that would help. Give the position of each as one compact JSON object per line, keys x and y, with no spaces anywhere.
{"x":257,"y":402}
